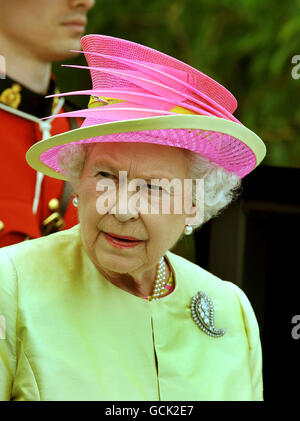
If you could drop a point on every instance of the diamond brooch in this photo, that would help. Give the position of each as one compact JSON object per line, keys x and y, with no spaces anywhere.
{"x":202,"y":310}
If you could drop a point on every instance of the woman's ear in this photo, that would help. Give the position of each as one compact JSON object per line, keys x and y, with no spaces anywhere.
{"x":193,"y":215}
{"x":194,"y":206}
{"x":75,"y":187}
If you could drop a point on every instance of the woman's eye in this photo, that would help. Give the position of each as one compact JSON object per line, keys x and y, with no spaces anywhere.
{"x":105,"y":174}
{"x":153,"y":187}
{"x":156,"y":188}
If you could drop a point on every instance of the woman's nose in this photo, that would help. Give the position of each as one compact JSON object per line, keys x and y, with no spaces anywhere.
{"x":125,"y":209}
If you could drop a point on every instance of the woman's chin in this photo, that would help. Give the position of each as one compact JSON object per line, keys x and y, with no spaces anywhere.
{"x":115,"y":262}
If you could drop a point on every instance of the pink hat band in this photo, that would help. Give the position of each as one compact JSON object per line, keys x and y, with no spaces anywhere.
{"x":132,"y":81}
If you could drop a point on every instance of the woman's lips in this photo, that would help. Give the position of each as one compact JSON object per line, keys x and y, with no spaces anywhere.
{"x":121,"y":242}
{"x":122,"y":237}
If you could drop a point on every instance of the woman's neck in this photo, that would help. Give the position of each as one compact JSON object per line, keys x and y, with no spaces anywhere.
{"x":140,"y":284}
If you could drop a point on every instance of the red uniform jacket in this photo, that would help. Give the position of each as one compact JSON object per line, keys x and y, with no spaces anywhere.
{"x":18,"y":179}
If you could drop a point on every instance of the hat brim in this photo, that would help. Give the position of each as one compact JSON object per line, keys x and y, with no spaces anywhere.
{"x":249,"y":139}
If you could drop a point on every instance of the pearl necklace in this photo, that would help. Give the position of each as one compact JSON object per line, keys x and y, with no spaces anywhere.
{"x":160,"y":280}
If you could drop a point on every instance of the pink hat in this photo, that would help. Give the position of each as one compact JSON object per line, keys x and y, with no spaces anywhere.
{"x":142,"y":95}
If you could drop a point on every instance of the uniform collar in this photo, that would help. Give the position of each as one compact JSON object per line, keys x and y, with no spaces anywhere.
{"x":17,"y":96}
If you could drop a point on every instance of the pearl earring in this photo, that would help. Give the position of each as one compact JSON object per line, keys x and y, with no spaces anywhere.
{"x":75,"y":201}
{"x":188,"y":229}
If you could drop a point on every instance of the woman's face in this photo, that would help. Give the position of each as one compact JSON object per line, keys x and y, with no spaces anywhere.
{"x":156,"y":233}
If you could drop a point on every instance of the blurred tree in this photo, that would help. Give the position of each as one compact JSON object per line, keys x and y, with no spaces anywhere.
{"x":246,"y":45}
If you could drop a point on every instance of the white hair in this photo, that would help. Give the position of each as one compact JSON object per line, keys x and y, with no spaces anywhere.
{"x":221,"y":187}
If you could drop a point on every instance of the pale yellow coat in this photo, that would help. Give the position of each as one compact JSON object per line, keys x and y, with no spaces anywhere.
{"x":72,"y":335}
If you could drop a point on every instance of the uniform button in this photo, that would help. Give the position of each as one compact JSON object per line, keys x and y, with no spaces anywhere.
{"x":53,"y":204}
{"x":1,"y":226}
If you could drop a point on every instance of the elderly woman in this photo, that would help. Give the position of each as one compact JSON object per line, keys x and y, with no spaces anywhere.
{"x":104,"y":311}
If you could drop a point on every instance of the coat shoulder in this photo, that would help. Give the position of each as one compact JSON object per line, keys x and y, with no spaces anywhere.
{"x":195,"y":278}
{"x":42,"y":249}
{"x":195,"y":275}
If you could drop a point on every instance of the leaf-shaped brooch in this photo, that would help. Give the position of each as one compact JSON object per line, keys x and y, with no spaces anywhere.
{"x":202,"y":309}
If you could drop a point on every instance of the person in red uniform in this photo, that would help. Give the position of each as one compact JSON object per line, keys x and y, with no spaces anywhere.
{"x":33,"y":34}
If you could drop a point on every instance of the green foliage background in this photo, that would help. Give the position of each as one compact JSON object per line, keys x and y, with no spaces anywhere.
{"x":246,"y":45}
